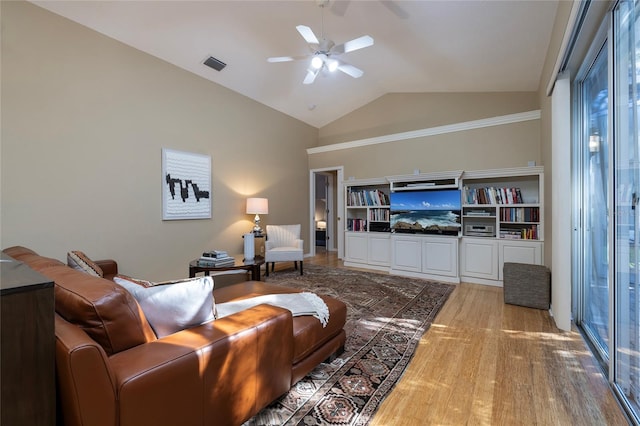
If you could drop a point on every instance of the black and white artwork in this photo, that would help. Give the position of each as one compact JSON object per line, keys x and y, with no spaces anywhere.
{"x":186,"y":185}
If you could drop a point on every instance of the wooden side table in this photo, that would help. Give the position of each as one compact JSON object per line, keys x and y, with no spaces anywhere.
{"x":252,"y":266}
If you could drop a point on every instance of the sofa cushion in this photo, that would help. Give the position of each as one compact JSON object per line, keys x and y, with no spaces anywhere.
{"x":104,"y":310}
{"x":18,"y":251}
{"x":81,"y":262}
{"x":172,"y":306}
{"x":308,"y":332}
{"x":30,"y":257}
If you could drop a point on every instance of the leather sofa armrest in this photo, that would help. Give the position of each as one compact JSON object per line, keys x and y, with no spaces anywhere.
{"x":109,"y":267}
{"x":227,"y":369}
{"x":86,"y":386}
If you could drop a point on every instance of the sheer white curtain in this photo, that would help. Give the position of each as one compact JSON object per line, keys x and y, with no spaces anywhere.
{"x":561,"y":203}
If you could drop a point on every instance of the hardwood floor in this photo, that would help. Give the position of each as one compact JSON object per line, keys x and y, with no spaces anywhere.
{"x":483,"y":362}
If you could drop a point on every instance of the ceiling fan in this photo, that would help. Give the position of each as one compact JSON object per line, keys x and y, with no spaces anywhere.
{"x":325,"y":53}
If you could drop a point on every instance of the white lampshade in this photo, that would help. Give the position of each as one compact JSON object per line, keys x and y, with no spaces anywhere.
{"x":257,"y":206}
{"x":322,"y":224}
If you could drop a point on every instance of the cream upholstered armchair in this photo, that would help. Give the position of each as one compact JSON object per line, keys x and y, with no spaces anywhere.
{"x":283,"y":244}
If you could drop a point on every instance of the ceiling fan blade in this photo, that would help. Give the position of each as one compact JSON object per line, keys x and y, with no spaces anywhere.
{"x":355,"y":44}
{"x":311,"y":76}
{"x":307,"y":34}
{"x":350,"y":70}
{"x":285,"y":58}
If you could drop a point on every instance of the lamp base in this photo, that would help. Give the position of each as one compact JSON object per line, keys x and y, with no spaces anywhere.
{"x":256,"y":228}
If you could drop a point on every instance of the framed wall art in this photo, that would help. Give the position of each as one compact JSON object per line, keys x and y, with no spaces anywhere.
{"x":186,"y":185}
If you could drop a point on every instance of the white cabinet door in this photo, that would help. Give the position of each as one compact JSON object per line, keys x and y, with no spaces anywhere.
{"x":479,"y":258}
{"x":356,"y":247}
{"x":520,"y":252}
{"x":407,"y":253}
{"x":379,"y":249}
{"x":440,"y":256}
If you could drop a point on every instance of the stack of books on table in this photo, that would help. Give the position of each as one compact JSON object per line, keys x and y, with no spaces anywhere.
{"x":215,"y":259}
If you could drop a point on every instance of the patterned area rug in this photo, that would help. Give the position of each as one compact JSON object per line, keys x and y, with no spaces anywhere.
{"x":386,"y":317}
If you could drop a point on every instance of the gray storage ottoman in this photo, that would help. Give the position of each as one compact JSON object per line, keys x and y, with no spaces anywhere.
{"x":527,"y":285}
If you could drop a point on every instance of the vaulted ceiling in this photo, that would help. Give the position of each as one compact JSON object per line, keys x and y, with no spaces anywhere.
{"x":420,"y":46}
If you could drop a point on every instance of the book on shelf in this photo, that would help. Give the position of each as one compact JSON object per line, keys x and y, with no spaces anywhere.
{"x":358,"y":225}
{"x":373,"y":197}
{"x":492,"y":195}
{"x":520,"y":214}
{"x":529,"y":233}
{"x":379,"y":215}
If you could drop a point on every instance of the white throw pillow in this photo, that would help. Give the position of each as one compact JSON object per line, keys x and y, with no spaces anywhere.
{"x":174,"y":306}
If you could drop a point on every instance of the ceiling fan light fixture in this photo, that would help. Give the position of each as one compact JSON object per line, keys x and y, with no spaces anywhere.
{"x":332,"y":65}
{"x":317,"y":62}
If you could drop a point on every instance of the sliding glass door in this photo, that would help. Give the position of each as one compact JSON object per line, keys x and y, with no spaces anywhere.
{"x":607,"y":160}
{"x":593,"y":153}
{"x":626,"y":29}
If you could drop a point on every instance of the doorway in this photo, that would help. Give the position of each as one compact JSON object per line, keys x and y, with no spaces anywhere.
{"x":325,"y":203}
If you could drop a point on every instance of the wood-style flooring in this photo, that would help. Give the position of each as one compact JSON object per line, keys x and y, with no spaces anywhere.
{"x":483,"y":362}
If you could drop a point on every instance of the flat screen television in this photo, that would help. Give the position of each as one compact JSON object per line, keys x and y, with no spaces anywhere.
{"x":434,"y":211}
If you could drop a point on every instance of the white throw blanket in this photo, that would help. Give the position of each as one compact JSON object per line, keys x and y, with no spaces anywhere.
{"x":298,"y":303}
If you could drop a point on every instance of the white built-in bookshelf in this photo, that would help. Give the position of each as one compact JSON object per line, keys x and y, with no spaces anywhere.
{"x":507,"y":201}
{"x":501,"y":218}
{"x":367,"y":205}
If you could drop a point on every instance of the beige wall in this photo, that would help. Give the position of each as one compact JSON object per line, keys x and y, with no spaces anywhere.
{"x":562,"y":18}
{"x":401,"y":112}
{"x":84,"y":119}
{"x":509,"y":145}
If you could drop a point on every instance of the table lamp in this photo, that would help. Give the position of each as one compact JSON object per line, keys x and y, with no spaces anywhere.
{"x":257,"y":206}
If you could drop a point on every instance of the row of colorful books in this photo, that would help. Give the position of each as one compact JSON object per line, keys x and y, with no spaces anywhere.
{"x":373,"y":197}
{"x":520,"y":214}
{"x":356,"y":225}
{"x":379,"y":215}
{"x":530,"y":233}
{"x":492,"y":195}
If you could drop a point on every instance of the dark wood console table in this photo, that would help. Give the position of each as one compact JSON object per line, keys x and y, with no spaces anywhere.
{"x":27,"y":339}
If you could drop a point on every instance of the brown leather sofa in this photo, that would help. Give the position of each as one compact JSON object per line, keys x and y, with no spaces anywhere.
{"x":112,"y":369}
